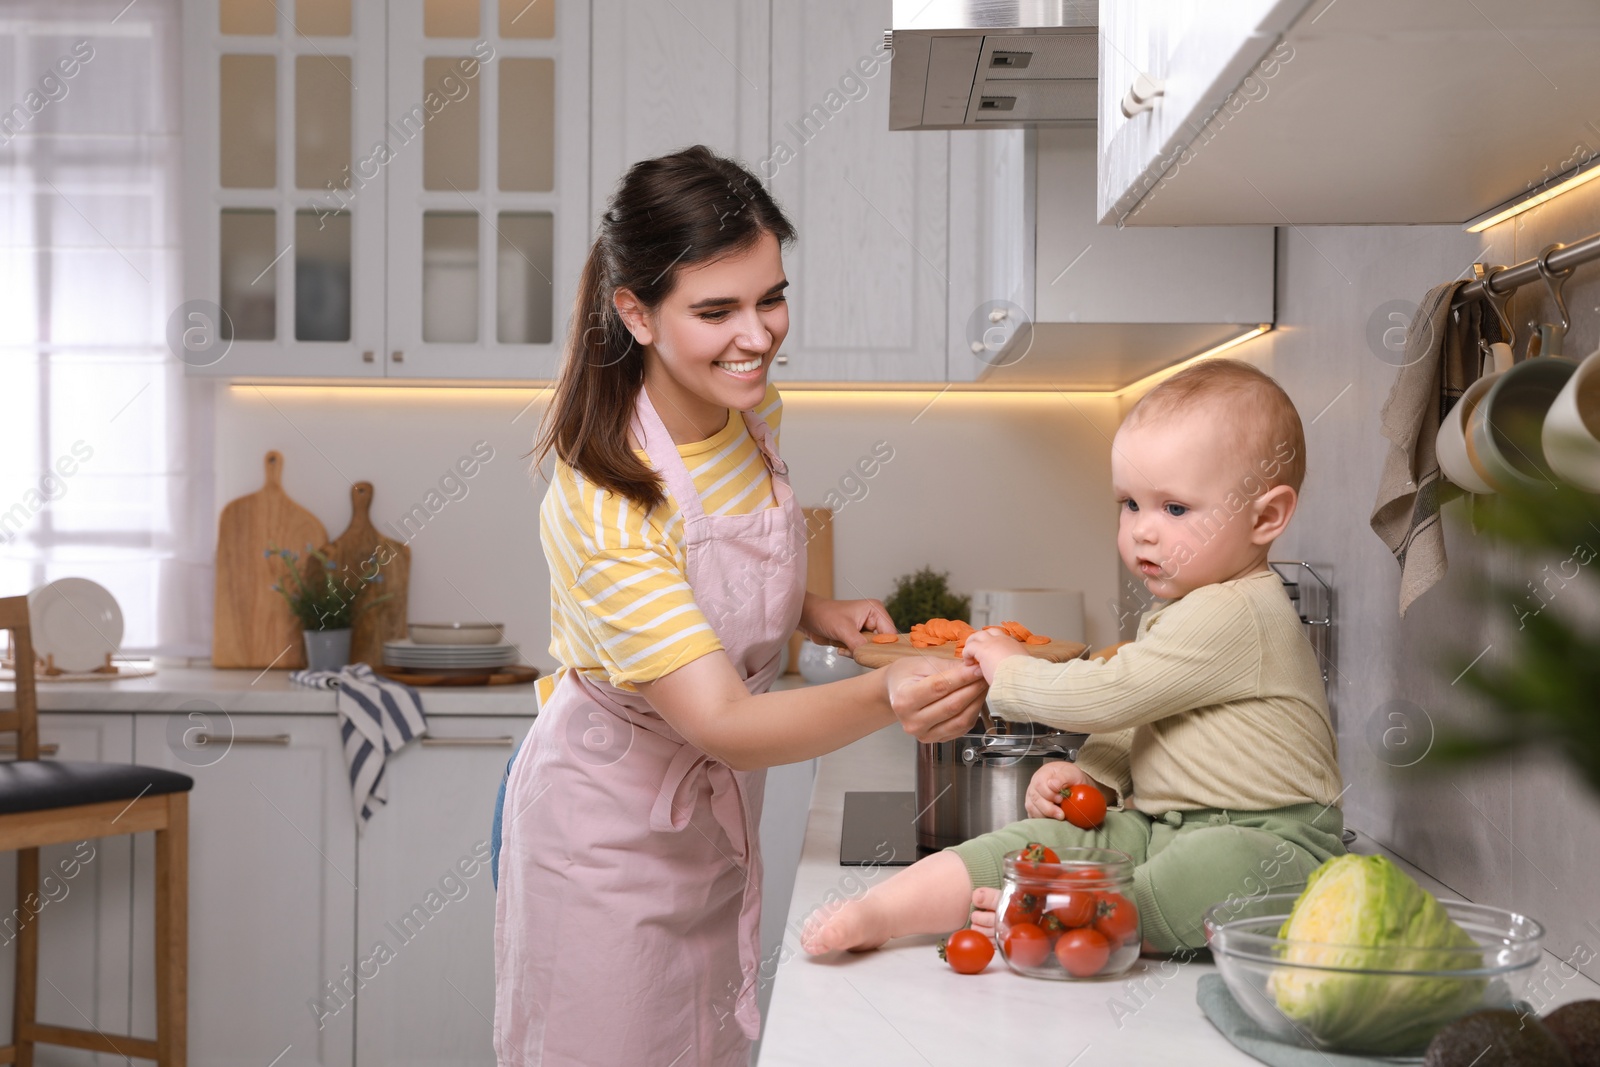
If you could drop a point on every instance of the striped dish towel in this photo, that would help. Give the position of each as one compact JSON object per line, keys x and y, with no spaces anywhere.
{"x":377,"y":716}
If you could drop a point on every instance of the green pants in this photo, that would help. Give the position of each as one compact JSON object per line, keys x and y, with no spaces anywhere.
{"x":1185,"y":861}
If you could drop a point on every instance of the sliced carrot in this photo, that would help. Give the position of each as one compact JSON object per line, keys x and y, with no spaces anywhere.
{"x":1036,"y":639}
{"x":885,"y":639}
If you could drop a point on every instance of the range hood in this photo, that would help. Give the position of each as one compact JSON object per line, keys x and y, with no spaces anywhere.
{"x":986,"y":64}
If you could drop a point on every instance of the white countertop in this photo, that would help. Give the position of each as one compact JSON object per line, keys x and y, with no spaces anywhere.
{"x":264,"y":692}
{"x":252,"y":691}
{"x":901,"y":1005}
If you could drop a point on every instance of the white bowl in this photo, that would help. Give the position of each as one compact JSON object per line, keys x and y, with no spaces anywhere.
{"x":457,"y":633}
{"x":821,"y":664}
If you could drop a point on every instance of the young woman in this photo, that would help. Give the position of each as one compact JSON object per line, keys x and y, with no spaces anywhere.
{"x":629,"y":874}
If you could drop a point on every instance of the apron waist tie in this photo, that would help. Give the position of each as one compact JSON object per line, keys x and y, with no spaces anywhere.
{"x":670,"y":813}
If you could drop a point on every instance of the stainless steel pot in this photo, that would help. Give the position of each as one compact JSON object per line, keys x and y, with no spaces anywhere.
{"x":978,"y":782}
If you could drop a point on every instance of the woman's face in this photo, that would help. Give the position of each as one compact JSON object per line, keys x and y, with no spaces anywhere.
{"x":709,"y":344}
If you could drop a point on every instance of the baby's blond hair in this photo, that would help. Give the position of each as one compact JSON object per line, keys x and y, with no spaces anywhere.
{"x":1263,"y":427}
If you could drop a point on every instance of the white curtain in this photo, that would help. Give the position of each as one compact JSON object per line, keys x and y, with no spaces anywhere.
{"x":105,"y":447}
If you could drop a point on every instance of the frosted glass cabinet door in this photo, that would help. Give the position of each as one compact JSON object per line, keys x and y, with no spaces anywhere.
{"x":284,"y":189}
{"x":488,"y":196}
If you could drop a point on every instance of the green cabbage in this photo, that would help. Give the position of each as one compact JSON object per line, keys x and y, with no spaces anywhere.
{"x":1363,"y":911}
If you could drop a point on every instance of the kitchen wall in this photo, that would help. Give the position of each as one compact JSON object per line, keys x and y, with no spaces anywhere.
{"x":1519,"y":831}
{"x":1003,"y":491}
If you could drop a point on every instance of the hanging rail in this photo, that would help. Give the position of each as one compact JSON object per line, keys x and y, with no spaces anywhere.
{"x":1502,"y":281}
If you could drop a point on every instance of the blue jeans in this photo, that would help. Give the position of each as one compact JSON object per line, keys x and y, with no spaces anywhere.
{"x":499,"y":816}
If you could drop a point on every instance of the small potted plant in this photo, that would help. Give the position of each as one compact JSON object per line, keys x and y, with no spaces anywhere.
{"x":325,"y":607}
{"x":922,"y":596}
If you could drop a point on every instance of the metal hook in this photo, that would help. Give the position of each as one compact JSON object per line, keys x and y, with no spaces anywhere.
{"x":1556,"y":282}
{"x":1485,"y":274}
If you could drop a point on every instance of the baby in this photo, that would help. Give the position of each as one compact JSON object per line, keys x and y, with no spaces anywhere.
{"x":1209,"y":732}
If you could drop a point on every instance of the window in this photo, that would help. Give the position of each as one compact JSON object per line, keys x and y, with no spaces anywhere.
{"x":105,"y":446}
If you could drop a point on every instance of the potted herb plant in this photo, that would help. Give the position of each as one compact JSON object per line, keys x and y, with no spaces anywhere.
{"x":922,"y":596}
{"x":325,"y":607}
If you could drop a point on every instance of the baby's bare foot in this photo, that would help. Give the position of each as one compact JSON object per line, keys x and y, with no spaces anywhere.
{"x":856,"y":925}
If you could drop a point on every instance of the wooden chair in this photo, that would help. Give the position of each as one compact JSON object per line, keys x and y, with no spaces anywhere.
{"x":54,"y":802}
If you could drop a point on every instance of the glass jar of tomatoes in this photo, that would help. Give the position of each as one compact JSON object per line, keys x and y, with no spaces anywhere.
{"x":1068,"y":915}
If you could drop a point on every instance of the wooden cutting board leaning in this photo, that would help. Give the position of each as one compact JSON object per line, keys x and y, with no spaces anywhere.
{"x":360,"y":555}
{"x":252,"y":626}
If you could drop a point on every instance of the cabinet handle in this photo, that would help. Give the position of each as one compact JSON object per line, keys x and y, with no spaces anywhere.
{"x":469,"y":742}
{"x":243,"y":739}
{"x":48,"y":748}
{"x":368,"y":356}
{"x":398,"y":356}
{"x":782,"y":361}
{"x":1142,"y":95}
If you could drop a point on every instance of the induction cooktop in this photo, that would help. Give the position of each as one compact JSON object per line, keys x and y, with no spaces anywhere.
{"x":879,"y":830}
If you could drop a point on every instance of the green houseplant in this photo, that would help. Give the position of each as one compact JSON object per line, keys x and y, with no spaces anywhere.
{"x":324,"y":606}
{"x":925,"y":595}
{"x":1541,"y":688}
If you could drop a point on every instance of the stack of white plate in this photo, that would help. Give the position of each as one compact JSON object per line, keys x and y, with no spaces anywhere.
{"x":447,"y":657}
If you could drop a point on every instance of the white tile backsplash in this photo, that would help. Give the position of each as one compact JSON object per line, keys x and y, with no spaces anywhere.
{"x":1001,"y":491}
{"x":1518,"y":831}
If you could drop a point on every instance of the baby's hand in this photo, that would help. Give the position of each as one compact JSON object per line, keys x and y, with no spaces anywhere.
{"x":1044,"y":790}
{"x":987,"y":647}
{"x":984,"y":901}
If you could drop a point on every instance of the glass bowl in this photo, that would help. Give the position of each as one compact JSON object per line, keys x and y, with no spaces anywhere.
{"x":1372,"y":1001}
{"x":1068,"y":920}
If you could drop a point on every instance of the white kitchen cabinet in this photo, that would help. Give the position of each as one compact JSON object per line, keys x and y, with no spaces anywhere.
{"x":673,"y":75}
{"x":382,"y":189}
{"x":272,"y":887}
{"x":870,"y":270}
{"x":785,"y":808}
{"x":1103,"y":306}
{"x":1296,"y":112}
{"x":488,"y":214}
{"x":85,"y":922}
{"x":427,"y":898}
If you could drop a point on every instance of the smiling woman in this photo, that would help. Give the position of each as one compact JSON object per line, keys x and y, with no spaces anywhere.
{"x":677,"y":564}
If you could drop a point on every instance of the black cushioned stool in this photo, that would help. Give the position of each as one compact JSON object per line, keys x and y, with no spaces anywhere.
{"x":60,"y":802}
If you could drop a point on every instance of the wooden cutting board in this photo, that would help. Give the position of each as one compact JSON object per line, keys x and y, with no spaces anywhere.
{"x":252,"y":626}
{"x":359,"y":554}
{"x":515,"y":674}
{"x":819,"y":567}
{"x":876,"y":655}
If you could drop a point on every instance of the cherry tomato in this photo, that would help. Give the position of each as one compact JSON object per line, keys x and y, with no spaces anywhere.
{"x":1024,"y":908}
{"x":1116,"y":918}
{"x":967,"y":951}
{"x":1034,"y":853}
{"x":1082,"y":952}
{"x":1027,"y":945}
{"x":1073,"y":909}
{"x":1084,"y":806}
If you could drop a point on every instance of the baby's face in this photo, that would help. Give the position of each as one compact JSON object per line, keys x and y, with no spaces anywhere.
{"x":1186,"y":503}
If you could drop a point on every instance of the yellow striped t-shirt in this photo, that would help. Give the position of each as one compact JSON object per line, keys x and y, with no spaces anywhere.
{"x":620,"y":604}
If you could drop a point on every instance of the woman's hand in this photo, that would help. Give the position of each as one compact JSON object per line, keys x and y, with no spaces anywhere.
{"x":935,"y":699}
{"x":840,"y":622}
{"x":1043,"y":800}
{"x":988,"y":646}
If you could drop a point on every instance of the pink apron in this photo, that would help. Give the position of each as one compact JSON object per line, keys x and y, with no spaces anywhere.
{"x":628,"y":915}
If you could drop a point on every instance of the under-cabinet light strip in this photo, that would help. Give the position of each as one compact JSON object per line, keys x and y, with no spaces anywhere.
{"x":376,"y":386}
